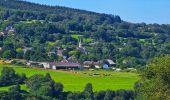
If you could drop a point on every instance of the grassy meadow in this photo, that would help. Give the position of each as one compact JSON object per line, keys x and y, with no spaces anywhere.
{"x":77,"y":36}
{"x":76,"y":81}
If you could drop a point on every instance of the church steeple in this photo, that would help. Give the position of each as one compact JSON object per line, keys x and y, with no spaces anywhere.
{"x":80,"y":42}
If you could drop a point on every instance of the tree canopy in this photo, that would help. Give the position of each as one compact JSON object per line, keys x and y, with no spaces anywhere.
{"x":155,"y":83}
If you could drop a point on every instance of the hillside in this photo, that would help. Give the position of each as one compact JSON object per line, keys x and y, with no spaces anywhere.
{"x":36,"y":32}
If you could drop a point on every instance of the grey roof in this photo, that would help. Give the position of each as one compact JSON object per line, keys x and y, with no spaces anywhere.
{"x":66,"y":63}
{"x":88,"y":63}
{"x":110,"y":61}
{"x":92,"y":63}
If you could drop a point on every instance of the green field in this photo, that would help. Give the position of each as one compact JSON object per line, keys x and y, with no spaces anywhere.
{"x":76,"y":81}
{"x":77,"y":36}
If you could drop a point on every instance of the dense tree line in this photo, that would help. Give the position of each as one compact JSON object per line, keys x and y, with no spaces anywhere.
{"x":46,"y":28}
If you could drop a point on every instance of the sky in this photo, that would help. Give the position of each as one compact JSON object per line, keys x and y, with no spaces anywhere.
{"x":136,"y":11}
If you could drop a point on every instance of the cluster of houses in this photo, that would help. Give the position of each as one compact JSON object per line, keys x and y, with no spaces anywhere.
{"x":74,"y":65}
{"x":71,"y":64}
{"x":7,"y":30}
{"x":65,"y":63}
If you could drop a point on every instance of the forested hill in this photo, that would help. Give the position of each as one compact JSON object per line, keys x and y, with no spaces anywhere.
{"x":64,"y":12}
{"x":23,"y":5}
{"x":37,"y":32}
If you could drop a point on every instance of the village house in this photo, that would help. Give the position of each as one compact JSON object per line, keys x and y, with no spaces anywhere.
{"x":25,"y":49}
{"x":107,"y":63}
{"x":88,"y":64}
{"x":72,"y":65}
{"x":46,"y":65}
{"x":9,"y":29}
{"x":65,"y":64}
{"x":32,"y":63}
{"x":2,"y":33}
{"x":92,"y":64}
{"x":28,"y":64}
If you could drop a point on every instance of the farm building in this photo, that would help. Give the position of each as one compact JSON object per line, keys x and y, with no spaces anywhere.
{"x":46,"y":65}
{"x":65,"y":64}
{"x":109,"y":62}
{"x":92,"y":64}
{"x":32,"y":63}
{"x":105,"y":66}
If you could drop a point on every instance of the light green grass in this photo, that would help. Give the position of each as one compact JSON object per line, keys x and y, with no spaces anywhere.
{"x":23,"y":87}
{"x":77,"y":82}
{"x":87,"y":40}
{"x":31,"y":21}
{"x":77,"y":36}
{"x":142,"y":40}
{"x":5,"y":88}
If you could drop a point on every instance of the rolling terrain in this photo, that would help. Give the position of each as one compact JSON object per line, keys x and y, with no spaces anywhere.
{"x":105,"y":36}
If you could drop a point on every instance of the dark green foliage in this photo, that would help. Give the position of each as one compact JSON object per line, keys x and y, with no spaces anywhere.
{"x":7,"y":54}
{"x":124,"y":95}
{"x":40,"y":85}
{"x":14,"y":93}
{"x":9,"y":51}
{"x":76,"y":96}
{"x":9,"y":77}
{"x":109,"y":95}
{"x":100,"y":95}
{"x":155,"y":80}
{"x":16,"y":88}
{"x":88,"y":92}
{"x":11,"y":95}
{"x":58,"y":87}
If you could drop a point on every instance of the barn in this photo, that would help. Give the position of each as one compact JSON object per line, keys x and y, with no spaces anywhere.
{"x":65,"y":64}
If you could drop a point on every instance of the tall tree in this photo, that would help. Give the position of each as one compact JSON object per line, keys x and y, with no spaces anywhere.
{"x":88,"y":91}
{"x":155,"y":83}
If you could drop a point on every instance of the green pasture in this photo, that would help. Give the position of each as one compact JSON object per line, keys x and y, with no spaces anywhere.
{"x":76,"y":81}
{"x":77,"y":36}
